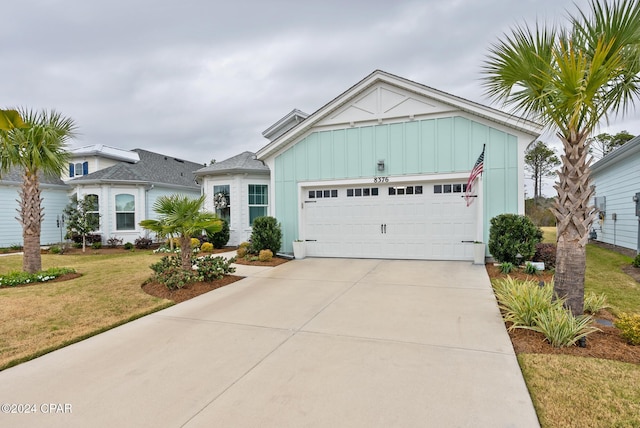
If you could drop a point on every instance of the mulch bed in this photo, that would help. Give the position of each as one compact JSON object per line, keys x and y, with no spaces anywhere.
{"x":189,"y":291}
{"x":605,"y":344}
{"x":193,"y":290}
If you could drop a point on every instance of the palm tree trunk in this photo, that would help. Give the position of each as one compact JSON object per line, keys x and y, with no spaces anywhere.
{"x":31,"y":220}
{"x":574,"y":216}
{"x":185,"y":252}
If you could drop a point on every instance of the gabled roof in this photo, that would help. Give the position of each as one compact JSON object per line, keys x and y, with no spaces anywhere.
{"x":382,"y":77}
{"x":631,"y":146}
{"x":152,"y":168}
{"x":106,"y":152}
{"x":245,"y":162}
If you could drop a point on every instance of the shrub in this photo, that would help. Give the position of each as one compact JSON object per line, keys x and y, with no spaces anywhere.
{"x":242,"y":252}
{"x":530,"y":269}
{"x":90,"y":238}
{"x":143,"y":243}
{"x":265,"y":255}
{"x":244,"y":245}
{"x":546,"y":252}
{"x":506,"y":267}
{"x":594,"y":303}
{"x":55,"y":250}
{"x":96,"y":245}
{"x":114,"y":242}
{"x":77,"y":245}
{"x":16,"y":247}
{"x":512,"y":234}
{"x":206,"y":247}
{"x":176,"y":277}
{"x":629,"y":326}
{"x":128,"y":246}
{"x":266,"y":235}
{"x":195,"y":243}
{"x":18,"y":278}
{"x":560,"y":328}
{"x":522,"y":301}
{"x":210,"y":268}
{"x":220,"y":239}
{"x":636,"y":261}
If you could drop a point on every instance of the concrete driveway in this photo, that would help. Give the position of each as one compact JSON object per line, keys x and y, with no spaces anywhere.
{"x":311,"y":343}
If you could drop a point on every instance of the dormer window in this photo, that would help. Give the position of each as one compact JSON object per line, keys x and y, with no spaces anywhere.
{"x":78,"y":169}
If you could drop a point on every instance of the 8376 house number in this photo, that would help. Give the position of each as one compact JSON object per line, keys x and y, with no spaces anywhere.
{"x":380,"y":179}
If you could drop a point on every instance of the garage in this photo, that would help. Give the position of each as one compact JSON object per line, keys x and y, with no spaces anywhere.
{"x":379,"y":172}
{"x":426,"y":220}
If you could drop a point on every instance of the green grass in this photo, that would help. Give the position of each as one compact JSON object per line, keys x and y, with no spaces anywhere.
{"x":582,"y":392}
{"x":570,"y":391}
{"x":605,"y":275}
{"x":41,"y":318}
{"x":549,"y":234}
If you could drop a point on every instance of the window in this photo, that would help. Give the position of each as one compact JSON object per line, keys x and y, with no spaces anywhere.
{"x":366,"y":191}
{"x":125,"y":212}
{"x":316,"y":194}
{"x":78,"y":169}
{"x":447,"y":188}
{"x":410,"y":190}
{"x":258,"y":201}
{"x":94,"y":211}
{"x":222,"y":202}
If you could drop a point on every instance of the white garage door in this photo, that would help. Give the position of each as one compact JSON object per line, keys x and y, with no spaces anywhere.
{"x":422,"y":220}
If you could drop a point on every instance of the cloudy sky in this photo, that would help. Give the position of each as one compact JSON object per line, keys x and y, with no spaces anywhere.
{"x":201,"y":79}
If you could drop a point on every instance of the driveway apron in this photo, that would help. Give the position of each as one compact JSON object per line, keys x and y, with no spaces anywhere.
{"x":310,"y":343}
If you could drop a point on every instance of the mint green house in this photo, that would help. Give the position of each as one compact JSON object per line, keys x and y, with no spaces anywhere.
{"x":381,"y":171}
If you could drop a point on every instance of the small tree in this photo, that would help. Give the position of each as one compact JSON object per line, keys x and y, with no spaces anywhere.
{"x":540,"y":160}
{"x":603,"y":144}
{"x":183,"y":216}
{"x":266,"y":235}
{"x":82,"y":218}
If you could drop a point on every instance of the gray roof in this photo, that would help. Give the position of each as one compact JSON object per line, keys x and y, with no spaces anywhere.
{"x":153,"y":168}
{"x":14,"y":175}
{"x":244,"y":162}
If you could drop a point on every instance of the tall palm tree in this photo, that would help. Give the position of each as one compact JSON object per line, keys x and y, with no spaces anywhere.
{"x":570,"y":79}
{"x":36,"y":148}
{"x":182,"y":216}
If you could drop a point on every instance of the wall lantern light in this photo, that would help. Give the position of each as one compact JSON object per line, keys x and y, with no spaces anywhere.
{"x":635,"y":198}
{"x":381,"y":165}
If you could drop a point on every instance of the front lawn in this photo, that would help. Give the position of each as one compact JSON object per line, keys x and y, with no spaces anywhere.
{"x":578,"y":391}
{"x":40,"y":318}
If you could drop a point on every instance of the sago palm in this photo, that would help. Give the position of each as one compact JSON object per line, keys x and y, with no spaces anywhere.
{"x":182,"y":216}
{"x":37,"y":147}
{"x":570,"y":80}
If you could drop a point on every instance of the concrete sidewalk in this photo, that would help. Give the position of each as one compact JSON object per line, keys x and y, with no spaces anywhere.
{"x":314,"y":343}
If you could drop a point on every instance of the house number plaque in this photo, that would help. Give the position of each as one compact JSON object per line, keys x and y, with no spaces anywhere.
{"x":380,"y":179}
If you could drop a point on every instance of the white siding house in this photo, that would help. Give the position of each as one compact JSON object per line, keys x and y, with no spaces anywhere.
{"x":617,"y":181}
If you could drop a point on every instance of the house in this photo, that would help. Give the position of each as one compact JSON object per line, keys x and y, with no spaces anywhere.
{"x":54,"y":193}
{"x":617,"y":191}
{"x":126,"y":185}
{"x":380,"y":171}
{"x":236,"y":190}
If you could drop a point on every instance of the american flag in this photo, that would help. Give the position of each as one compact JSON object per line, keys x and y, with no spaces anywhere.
{"x":475,"y":172}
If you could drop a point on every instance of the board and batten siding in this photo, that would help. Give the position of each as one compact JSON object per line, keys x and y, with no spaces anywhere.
{"x":443,"y":145}
{"x":54,"y":200}
{"x":618,"y":183}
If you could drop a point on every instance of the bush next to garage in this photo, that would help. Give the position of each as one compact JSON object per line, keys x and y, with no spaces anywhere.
{"x":266,"y":235}
{"x":512,"y":234}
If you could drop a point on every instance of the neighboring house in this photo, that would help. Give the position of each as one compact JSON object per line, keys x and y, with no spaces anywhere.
{"x":236,"y":190}
{"x":380,"y":172}
{"x":55,"y":197}
{"x":617,"y":181}
{"x":126,"y":185}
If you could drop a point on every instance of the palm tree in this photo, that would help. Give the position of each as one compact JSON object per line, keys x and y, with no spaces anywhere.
{"x":36,"y":148}
{"x":570,"y":80}
{"x":182,"y":216}
{"x":10,"y":119}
